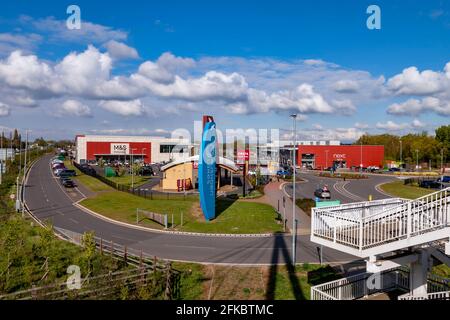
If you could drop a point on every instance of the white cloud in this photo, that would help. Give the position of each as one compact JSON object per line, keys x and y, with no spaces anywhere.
{"x":124,"y":108}
{"x":89,"y":32}
{"x":346,"y":86}
{"x":413,"y":82}
{"x":74,"y":108}
{"x":415,"y":107}
{"x":119,"y":50}
{"x":417,"y":124}
{"x":360,"y":125}
{"x":5,"y":110}
{"x":345,"y":106}
{"x":12,"y":41}
{"x":392,"y":126}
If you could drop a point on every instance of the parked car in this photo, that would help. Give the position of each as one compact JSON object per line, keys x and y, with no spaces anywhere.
{"x":58,"y":171}
{"x":323,"y":193}
{"x":145,"y":171}
{"x":58,"y":166}
{"x":68,"y":173}
{"x":394,"y":169}
{"x":68,"y":183}
{"x":430,"y":184}
{"x":444,"y":179}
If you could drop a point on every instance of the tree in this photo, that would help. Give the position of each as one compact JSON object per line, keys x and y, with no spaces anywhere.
{"x":443,"y":135}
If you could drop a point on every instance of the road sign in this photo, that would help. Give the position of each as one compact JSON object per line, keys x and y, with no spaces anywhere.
{"x":321,"y":204}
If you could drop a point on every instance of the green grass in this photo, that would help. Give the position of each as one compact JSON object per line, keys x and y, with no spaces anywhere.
{"x":305,"y":205}
{"x":126,"y":180}
{"x":191,"y":280}
{"x":89,"y":182}
{"x":235,"y":217}
{"x":398,"y":189}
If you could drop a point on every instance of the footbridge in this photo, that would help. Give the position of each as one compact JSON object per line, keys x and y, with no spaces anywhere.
{"x":390,"y":234}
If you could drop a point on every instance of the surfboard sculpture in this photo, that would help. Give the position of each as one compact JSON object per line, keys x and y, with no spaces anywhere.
{"x":207,"y":169}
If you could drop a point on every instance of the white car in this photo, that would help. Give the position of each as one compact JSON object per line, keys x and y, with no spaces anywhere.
{"x":58,"y":171}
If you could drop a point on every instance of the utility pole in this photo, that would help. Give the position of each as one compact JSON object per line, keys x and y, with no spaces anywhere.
{"x":24,"y":173}
{"x":294,"y":224}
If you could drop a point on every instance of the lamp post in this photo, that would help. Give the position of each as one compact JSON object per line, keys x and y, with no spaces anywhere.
{"x":24,"y":173}
{"x":326,"y":159}
{"x":294,"y":227}
{"x":442,"y":161}
{"x":417,"y":159}
{"x":132,"y":170}
{"x":401,"y":155}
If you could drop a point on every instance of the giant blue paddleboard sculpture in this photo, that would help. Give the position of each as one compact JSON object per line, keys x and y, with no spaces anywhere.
{"x":207,"y":169}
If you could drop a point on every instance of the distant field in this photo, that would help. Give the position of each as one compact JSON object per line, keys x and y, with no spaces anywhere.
{"x":398,"y":189}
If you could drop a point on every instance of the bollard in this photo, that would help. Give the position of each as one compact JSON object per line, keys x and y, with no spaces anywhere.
{"x":370,"y":197}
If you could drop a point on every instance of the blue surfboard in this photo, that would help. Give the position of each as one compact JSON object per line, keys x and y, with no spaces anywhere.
{"x":207,"y":171}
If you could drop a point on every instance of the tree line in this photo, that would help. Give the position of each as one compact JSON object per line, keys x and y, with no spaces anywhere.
{"x":429,"y":148}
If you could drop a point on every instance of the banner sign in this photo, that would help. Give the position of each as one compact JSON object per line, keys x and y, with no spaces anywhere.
{"x":120,"y":148}
{"x":243,"y":155}
{"x":207,"y":169}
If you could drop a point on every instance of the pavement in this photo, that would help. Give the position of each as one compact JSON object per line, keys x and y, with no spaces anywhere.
{"x":47,"y":199}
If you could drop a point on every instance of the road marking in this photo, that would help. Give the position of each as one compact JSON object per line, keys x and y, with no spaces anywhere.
{"x":339,"y":186}
{"x":73,"y":220}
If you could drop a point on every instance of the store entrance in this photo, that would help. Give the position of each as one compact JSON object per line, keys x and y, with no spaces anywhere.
{"x":339,"y":164}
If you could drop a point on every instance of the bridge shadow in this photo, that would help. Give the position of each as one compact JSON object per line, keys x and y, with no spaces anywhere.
{"x":282,"y":255}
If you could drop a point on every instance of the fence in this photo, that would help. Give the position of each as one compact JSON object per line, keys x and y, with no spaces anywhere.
{"x":121,"y":284}
{"x":360,"y":286}
{"x":140,"y":192}
{"x":157,"y":217}
{"x":109,"y":286}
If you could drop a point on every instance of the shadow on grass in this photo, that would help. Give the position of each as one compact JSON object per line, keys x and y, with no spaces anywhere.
{"x":281,"y":252}
{"x":223,"y":204}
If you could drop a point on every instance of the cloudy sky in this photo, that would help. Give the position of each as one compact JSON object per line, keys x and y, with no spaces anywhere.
{"x":147,"y":69}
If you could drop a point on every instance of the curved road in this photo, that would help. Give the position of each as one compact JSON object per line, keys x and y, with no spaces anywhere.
{"x":351,"y":190}
{"x":48,"y":201}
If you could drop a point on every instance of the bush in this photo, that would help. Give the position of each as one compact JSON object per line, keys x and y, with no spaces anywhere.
{"x":305,"y":205}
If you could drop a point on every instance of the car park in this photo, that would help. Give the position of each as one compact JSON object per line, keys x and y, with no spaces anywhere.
{"x":322,"y":193}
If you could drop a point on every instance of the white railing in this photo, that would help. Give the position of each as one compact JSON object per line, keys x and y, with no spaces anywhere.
{"x":369,"y":224}
{"x":362,"y":285}
{"x":445,"y":295}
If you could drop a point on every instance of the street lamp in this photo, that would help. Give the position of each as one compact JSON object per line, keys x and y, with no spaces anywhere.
{"x":401,"y":155}
{"x":132,"y":170}
{"x":417,"y":159}
{"x":294,"y":227}
{"x":326,"y":158}
{"x":442,"y":161}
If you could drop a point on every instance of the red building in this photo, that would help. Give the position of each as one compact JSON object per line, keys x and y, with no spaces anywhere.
{"x":340,"y":156}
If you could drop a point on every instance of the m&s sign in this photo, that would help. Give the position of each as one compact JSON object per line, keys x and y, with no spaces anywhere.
{"x":120,"y":148}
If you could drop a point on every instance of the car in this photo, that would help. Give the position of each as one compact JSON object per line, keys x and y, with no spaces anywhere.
{"x":58,"y":171}
{"x":323,"y":193}
{"x":430,"y":184}
{"x":283,"y":173}
{"x":67,"y":172}
{"x":145,"y":171}
{"x":68,"y":183}
{"x":394,"y":169}
{"x":444,"y":179}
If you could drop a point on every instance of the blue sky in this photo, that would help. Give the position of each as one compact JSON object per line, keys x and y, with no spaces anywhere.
{"x":148,"y":68}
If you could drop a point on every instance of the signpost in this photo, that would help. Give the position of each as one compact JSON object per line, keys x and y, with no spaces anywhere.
{"x":207,"y":168}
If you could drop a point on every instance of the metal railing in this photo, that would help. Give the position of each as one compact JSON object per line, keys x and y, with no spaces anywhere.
{"x":362,"y":285}
{"x":366,"y":225}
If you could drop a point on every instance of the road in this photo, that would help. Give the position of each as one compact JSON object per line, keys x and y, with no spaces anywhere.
{"x":48,"y":201}
{"x":351,"y":190}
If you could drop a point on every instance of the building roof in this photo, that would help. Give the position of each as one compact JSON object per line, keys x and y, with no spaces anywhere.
{"x":223,"y":162}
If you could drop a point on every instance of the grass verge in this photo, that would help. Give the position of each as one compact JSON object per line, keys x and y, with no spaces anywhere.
{"x":233,"y":216}
{"x":89,"y":182}
{"x":399,"y":189}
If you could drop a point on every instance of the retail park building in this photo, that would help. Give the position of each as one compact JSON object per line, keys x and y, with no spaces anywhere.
{"x":311,"y":154}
